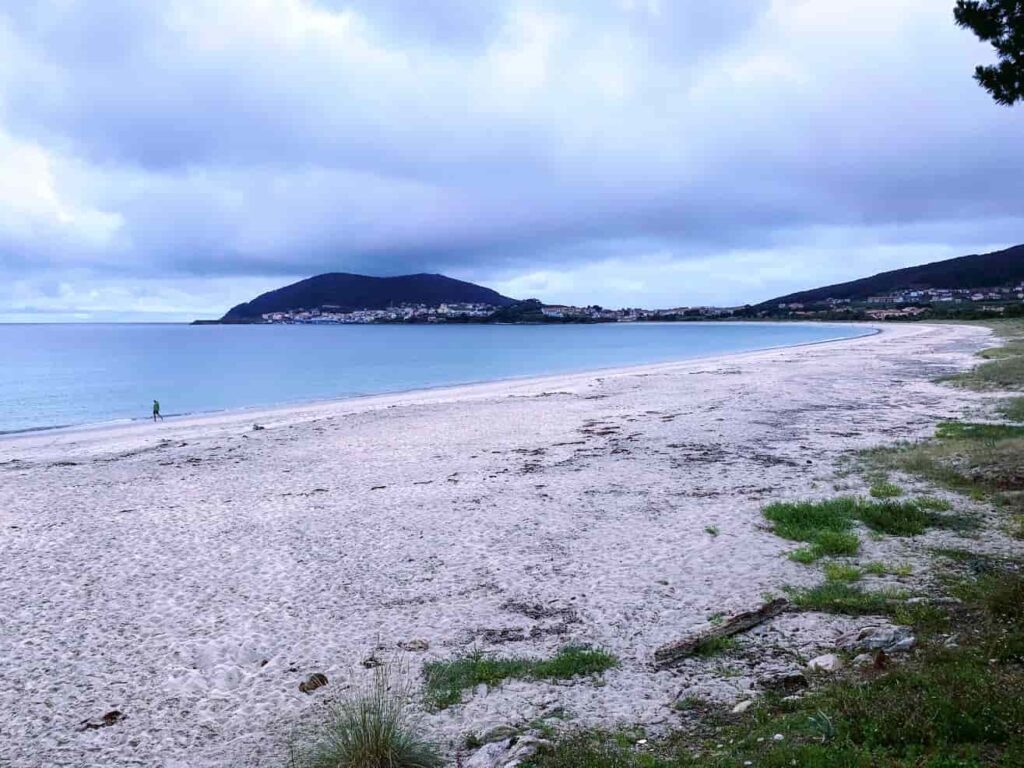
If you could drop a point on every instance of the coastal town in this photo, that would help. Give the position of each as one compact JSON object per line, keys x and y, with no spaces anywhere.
{"x":467,"y":312}
{"x":905,"y":304}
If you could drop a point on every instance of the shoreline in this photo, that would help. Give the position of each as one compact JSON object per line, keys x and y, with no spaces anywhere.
{"x":192,"y":575}
{"x":245,"y":413}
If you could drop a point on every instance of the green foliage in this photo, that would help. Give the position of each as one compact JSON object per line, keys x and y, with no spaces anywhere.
{"x":445,"y":680}
{"x":714,"y":646}
{"x":962,"y":430}
{"x":840,"y":597}
{"x":372,"y":730}
{"x":836,"y":544}
{"x":886,"y":569}
{"x":804,"y":555}
{"x":842,"y":572}
{"x":1011,"y":408}
{"x":806,"y":520}
{"x":826,"y":525}
{"x":1003,"y":372}
{"x":983,"y":469}
{"x":885,"y":490}
{"x":711,"y":530}
{"x":933,"y":503}
{"x":1001,"y":23}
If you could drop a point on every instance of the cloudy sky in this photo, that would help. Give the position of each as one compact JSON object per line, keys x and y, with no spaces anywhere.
{"x":168,"y":159}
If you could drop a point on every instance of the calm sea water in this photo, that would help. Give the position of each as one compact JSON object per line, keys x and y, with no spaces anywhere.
{"x":63,"y":375}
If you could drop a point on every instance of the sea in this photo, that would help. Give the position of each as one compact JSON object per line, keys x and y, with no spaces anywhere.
{"x":58,"y":376}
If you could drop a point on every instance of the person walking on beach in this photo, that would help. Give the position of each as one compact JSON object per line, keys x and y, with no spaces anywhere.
{"x":156,"y":411}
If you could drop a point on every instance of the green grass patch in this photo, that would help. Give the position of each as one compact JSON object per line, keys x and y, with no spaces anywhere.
{"x":841,"y":597}
{"x":989,"y":470}
{"x":888,"y":569}
{"x":1012,"y":408}
{"x":1015,"y":527}
{"x":933,"y":503}
{"x":836,"y":544}
{"x":1003,"y":369}
{"x":825,"y":525}
{"x":711,"y":530}
{"x":806,"y":520}
{"x":842,"y":572}
{"x":885,"y":490}
{"x":446,"y":680}
{"x":715,"y":646}
{"x":966,"y":430}
{"x":804,"y":556}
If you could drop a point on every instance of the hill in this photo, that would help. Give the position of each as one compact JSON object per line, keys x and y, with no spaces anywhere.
{"x":987,"y":270}
{"x":348,"y":292}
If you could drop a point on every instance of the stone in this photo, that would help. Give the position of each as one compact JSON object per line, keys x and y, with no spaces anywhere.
{"x":863,"y":660}
{"x":314,"y":681}
{"x":489,"y":755}
{"x":933,"y":601}
{"x":499,"y":733}
{"x":827,"y":663}
{"x":742,"y":707}
{"x":877,"y":638}
{"x":507,"y":753}
{"x":785,"y":682}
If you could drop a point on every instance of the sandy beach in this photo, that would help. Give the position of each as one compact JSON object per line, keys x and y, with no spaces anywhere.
{"x":191,"y":573}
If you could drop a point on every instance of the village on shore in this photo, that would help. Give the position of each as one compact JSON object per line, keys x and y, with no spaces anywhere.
{"x":906,"y":304}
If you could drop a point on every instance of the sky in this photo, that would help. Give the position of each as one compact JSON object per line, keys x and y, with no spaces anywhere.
{"x":166,"y":160}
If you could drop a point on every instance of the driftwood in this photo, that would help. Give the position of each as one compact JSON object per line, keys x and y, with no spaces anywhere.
{"x":672,"y":653}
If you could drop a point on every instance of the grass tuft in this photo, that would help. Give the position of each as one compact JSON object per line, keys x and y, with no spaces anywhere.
{"x":842,"y":572}
{"x":714,"y":646}
{"x":965,"y":430}
{"x":840,"y":597}
{"x":886,"y":569}
{"x":372,"y":730}
{"x":446,"y":680}
{"x":885,"y":490}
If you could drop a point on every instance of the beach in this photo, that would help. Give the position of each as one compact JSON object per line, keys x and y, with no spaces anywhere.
{"x":190,"y":574}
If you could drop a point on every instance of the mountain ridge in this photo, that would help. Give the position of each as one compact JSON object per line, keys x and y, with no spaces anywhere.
{"x":972,"y":271}
{"x":346,"y":292}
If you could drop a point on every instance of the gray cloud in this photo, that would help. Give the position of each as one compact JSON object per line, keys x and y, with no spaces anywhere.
{"x":500,"y":141}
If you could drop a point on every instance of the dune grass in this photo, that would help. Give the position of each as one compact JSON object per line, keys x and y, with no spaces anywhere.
{"x":446,"y":680}
{"x":374,"y":729}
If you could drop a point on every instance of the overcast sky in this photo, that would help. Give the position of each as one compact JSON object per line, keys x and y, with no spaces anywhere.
{"x":166,"y":160}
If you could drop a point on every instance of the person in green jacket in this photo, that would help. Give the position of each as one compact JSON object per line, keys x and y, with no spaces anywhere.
{"x":156,"y":411}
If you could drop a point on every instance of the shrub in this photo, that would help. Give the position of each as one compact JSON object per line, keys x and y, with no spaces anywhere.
{"x":373,"y":730}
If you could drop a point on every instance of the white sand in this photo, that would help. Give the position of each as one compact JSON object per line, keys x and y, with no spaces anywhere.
{"x":192,"y":573}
